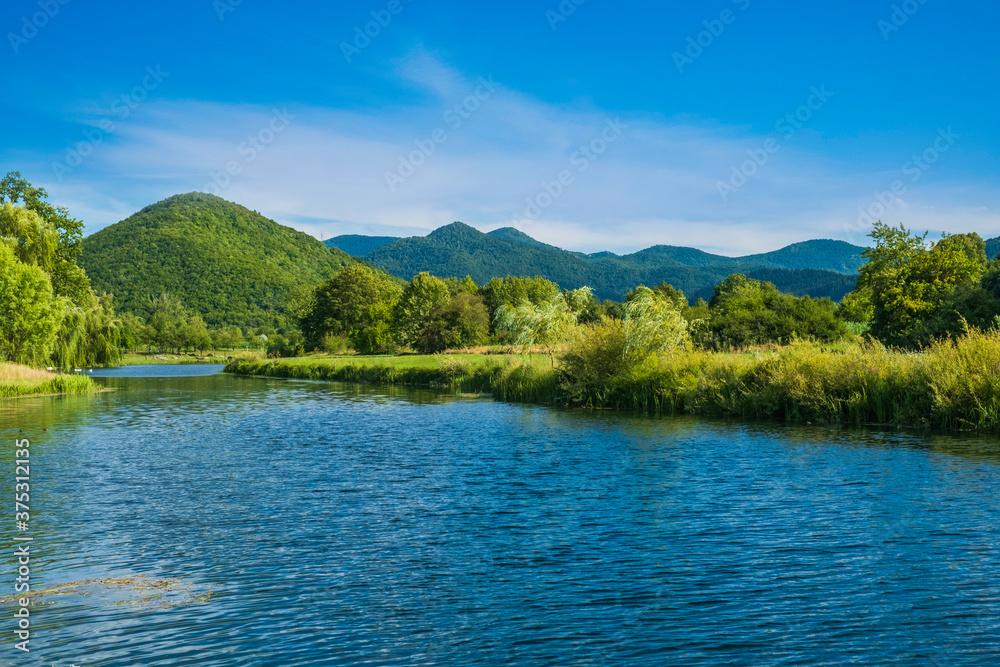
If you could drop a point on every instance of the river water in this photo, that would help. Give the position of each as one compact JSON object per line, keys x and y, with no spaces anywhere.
{"x":215,"y":520}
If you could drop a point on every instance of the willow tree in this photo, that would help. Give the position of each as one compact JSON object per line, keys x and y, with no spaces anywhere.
{"x":29,"y":315}
{"x":547,"y":324}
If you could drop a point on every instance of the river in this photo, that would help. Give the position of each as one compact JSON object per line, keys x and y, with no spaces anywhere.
{"x":218,"y":520}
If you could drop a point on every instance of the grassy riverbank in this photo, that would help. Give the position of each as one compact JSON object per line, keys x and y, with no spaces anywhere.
{"x":950,"y":385}
{"x":143,"y":358}
{"x":17,"y":380}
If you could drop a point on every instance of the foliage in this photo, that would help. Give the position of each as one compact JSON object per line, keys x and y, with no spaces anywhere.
{"x":818,"y":268}
{"x":422,"y":298}
{"x":511,"y":291}
{"x":29,"y":316}
{"x":230,"y":265}
{"x":462,"y":322}
{"x":280,"y":346}
{"x":547,"y":324}
{"x":949,"y":385}
{"x":920,"y":291}
{"x":651,"y":324}
{"x":357,"y":303}
{"x":748,"y":312}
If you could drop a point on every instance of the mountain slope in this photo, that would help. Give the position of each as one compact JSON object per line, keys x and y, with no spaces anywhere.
{"x":229,"y":264}
{"x":358,"y":245}
{"x":457,"y":250}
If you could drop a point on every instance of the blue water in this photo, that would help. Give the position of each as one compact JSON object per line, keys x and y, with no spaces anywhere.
{"x":269,"y":522}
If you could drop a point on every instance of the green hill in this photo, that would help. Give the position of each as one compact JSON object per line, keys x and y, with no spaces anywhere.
{"x":229,"y":264}
{"x":817,"y":268}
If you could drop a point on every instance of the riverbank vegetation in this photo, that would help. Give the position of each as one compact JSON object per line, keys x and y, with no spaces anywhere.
{"x":916,"y":344}
{"x":951,"y":384}
{"x":17,"y":380}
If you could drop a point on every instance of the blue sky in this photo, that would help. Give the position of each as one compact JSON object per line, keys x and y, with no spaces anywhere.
{"x":733,"y":125}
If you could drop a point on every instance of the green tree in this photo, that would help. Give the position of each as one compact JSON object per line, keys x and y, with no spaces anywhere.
{"x":511,"y":291}
{"x":168,"y":323}
{"x":342,"y":306}
{"x":68,"y":279}
{"x":375,"y":335}
{"x":920,"y":291}
{"x":750,"y":312}
{"x":652,"y":323}
{"x":29,"y":316}
{"x":198,"y":335}
{"x":229,"y":338}
{"x":462,"y":322}
{"x":422,"y":298}
{"x":547,"y":324}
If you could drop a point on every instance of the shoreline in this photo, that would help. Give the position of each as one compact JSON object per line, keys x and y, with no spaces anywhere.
{"x":953,"y":385}
{"x":18,"y":381}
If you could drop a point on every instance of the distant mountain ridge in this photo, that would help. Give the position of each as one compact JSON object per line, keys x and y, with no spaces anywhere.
{"x":819,"y":268}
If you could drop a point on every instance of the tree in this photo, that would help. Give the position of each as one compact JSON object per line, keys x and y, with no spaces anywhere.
{"x":375,"y":335}
{"x":34,"y":241}
{"x":422,"y":298}
{"x":198,"y":336}
{"x":168,"y":322}
{"x":134,"y":333}
{"x":29,"y":316}
{"x":546,"y":324}
{"x":750,"y":312}
{"x":350,"y":302}
{"x":462,"y":322}
{"x":68,"y":279}
{"x":46,"y":237}
{"x":511,"y":291}
{"x":652,"y":323}
{"x":920,"y":291}
{"x":229,"y":338}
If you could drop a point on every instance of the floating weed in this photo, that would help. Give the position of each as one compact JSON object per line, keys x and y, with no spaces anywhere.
{"x":121,"y":591}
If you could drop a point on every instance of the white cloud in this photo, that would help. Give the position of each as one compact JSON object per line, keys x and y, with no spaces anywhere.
{"x":656,"y":183}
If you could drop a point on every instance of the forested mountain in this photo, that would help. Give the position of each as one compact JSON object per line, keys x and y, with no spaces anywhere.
{"x":230,"y":264}
{"x":358,"y":245}
{"x":817,"y":268}
{"x":992,"y":248}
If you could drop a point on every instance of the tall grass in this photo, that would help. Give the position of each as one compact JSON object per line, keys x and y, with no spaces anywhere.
{"x":953,"y":384}
{"x":506,"y":379}
{"x":17,"y":380}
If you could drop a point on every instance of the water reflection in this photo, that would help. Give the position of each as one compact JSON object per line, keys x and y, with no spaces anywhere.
{"x":324,"y":524}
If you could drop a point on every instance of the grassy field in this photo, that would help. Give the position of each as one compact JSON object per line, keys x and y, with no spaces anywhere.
{"x":141,"y":358}
{"x":410,"y":361}
{"x":953,"y":384}
{"x":17,"y":380}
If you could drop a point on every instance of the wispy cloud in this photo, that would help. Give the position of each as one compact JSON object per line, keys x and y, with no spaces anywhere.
{"x":326,"y":172}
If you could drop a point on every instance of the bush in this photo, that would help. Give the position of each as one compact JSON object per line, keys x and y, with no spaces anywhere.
{"x":334,"y":344}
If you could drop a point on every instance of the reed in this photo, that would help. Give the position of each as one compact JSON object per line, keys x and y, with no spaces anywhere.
{"x":17,"y":380}
{"x":952,"y":384}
